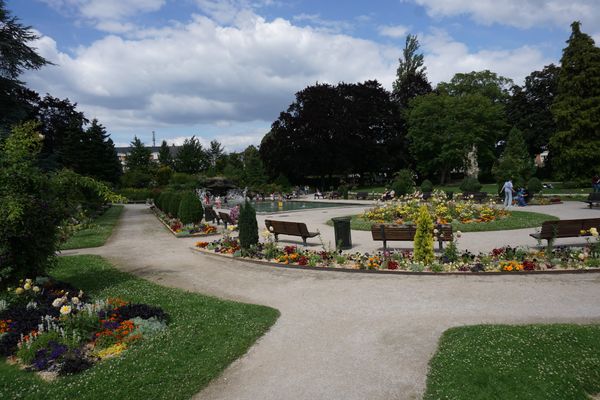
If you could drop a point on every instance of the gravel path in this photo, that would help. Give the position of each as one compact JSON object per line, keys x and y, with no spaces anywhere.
{"x":349,"y":336}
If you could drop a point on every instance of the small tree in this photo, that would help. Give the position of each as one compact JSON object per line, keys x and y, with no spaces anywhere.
{"x":190,"y":209}
{"x":248,"y":226}
{"x":424,"y":237}
{"x":515,"y":161}
{"x":426,"y":186}
{"x":404,"y":183}
{"x":470,"y":185}
{"x":173,"y":206}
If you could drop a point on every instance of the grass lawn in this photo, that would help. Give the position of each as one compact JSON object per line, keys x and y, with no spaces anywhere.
{"x":98,"y":233}
{"x":204,"y":336}
{"x":516,"y":362}
{"x":517,"y":220}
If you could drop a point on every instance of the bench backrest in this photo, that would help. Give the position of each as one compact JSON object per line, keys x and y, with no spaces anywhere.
{"x":225,"y":217}
{"x":287,"y":228}
{"x":568,"y":227}
{"x":406,"y":232}
{"x":210,"y":214}
{"x":362,"y":195}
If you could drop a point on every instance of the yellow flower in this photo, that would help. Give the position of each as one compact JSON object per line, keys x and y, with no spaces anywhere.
{"x":112,"y":351}
{"x":36,"y":289}
{"x":27,"y":286}
{"x":594,"y":232}
{"x":65,"y":310}
{"x":19,"y":290}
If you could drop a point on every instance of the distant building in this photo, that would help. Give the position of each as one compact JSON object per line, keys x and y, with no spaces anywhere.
{"x":122,"y":153}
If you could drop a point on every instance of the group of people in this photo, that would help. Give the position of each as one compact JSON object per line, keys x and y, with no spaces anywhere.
{"x":388,"y":194}
{"x":509,"y":190}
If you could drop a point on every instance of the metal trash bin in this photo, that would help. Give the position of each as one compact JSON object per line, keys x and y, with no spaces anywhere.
{"x":341,"y":228}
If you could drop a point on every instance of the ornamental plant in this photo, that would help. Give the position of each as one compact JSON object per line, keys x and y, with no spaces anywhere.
{"x":424,"y":237}
{"x":190,"y":209}
{"x":404,"y":183}
{"x":248,"y":226}
{"x":426,"y":186}
{"x":173,"y":205}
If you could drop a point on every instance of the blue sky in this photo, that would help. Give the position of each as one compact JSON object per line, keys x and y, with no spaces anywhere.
{"x":225,"y":69}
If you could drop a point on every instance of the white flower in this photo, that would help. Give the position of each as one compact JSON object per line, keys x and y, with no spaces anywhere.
{"x":57,"y":302}
{"x":75,"y":300}
{"x":28,"y":281}
{"x":64,"y":310}
{"x":27,"y":286}
{"x":36,"y":289}
{"x":435,"y":231}
{"x":581,"y":256}
{"x":80,"y":293}
{"x":594,"y":232}
{"x":458,"y":233}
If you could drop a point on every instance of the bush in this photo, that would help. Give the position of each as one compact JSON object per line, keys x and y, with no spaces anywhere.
{"x":190,"y":208}
{"x":534,"y":186}
{"x":183,"y":181}
{"x":426,"y":186}
{"x":136,"y":179}
{"x":247,"y":226}
{"x":173,"y":206}
{"x":343,"y":191}
{"x":404,"y":183}
{"x":470,"y":185}
{"x":162,"y":201}
{"x":135,"y":194}
{"x":163,"y":175}
{"x":424,"y":237}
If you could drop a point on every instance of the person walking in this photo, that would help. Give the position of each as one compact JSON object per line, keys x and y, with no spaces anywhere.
{"x":596,"y":184}
{"x":508,"y":192}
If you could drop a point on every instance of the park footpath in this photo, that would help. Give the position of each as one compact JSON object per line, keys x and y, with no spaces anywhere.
{"x":349,"y":335}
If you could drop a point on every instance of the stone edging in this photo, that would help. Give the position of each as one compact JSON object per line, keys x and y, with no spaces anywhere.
{"x":388,"y":271}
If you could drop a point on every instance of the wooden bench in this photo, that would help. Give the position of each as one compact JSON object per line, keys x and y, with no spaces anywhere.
{"x":593,"y":198}
{"x":211,"y":215}
{"x":566,"y":228}
{"x":362,"y":196}
{"x":392,"y":232}
{"x":289,"y":228}
{"x":226,"y":219}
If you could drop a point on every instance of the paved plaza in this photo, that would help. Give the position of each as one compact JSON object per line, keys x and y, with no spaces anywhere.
{"x":350,"y":336}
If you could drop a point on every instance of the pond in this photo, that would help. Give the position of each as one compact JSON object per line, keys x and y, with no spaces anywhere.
{"x":268,"y":207}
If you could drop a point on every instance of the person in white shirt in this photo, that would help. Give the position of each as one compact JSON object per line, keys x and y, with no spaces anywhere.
{"x":508,"y":192}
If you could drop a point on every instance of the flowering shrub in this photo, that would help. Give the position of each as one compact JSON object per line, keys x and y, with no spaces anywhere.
{"x":51,"y":326}
{"x":182,"y":230}
{"x":442,"y":211}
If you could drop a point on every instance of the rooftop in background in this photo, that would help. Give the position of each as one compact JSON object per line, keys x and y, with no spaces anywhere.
{"x":122,"y":152}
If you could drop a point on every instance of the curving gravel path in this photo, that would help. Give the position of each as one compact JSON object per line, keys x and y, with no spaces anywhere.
{"x":348,"y":336}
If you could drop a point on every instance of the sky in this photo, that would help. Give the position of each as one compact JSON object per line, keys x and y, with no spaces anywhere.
{"x":225,"y":69}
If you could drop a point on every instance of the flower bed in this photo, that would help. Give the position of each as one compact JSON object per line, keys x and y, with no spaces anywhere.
{"x":180,"y":230}
{"x":505,"y":259}
{"x":443,"y":211}
{"x":52,"y":328}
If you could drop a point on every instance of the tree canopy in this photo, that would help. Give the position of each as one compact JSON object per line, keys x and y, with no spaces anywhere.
{"x":411,"y":78}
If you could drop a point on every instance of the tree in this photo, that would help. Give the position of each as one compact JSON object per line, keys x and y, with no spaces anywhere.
{"x":529,"y":108}
{"x":515,"y":162}
{"x":575,"y":146}
{"x":486,"y":83}
{"x":215,"y":152}
{"x":411,"y":79}
{"x":16,"y":56}
{"x":254,"y":171}
{"x":444,"y":129}
{"x":190,"y":209}
{"x":103,"y":163}
{"x":191,"y":157}
{"x":424,"y":237}
{"x":248,"y":227}
{"x":139,"y":157}
{"x":164,"y":155}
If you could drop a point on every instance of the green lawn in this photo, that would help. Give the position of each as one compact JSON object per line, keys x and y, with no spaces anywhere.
{"x":205,"y":335}
{"x":517,"y":220}
{"x":516,"y":362}
{"x":98,"y":233}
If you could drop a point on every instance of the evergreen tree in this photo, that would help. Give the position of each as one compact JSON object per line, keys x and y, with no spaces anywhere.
{"x":411,"y":79}
{"x":191,"y":157}
{"x":254,"y":171}
{"x":164,"y":155}
{"x":424,"y":237}
{"x":248,"y":226}
{"x":574,"y":148}
{"x":515,"y":162}
{"x":103,"y":163}
{"x":138,"y":158}
{"x":215,"y":152}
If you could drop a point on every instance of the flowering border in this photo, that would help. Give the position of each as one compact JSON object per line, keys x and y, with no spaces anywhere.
{"x":183,"y":235}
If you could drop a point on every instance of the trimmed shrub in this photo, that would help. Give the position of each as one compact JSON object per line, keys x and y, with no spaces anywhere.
{"x":470,"y":185}
{"x":163,"y":175}
{"x":190,"y":209}
{"x":343,"y":191}
{"x":136,"y":194}
{"x":162,"y":202}
{"x":424,"y":237}
{"x":247,"y":226}
{"x":426,"y":186}
{"x":534,"y":186}
{"x":404,"y":183}
{"x":173,"y":206}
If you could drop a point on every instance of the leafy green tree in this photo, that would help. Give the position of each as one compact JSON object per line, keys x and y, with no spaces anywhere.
{"x":16,"y":56}
{"x":139,"y":157}
{"x":411,"y":78}
{"x":486,"y":83}
{"x":190,"y":209}
{"x":215,"y":153}
{"x":515,"y":162}
{"x":443,"y":130}
{"x":248,"y":227}
{"x":404,"y":183}
{"x":191,"y":157}
{"x":164,"y":155}
{"x":254,"y":173}
{"x":529,"y":108}
{"x":575,"y":146}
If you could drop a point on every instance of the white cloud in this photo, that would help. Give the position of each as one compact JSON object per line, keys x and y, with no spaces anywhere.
{"x":393,"y":31}
{"x":519,"y":13}
{"x":445,"y":57}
